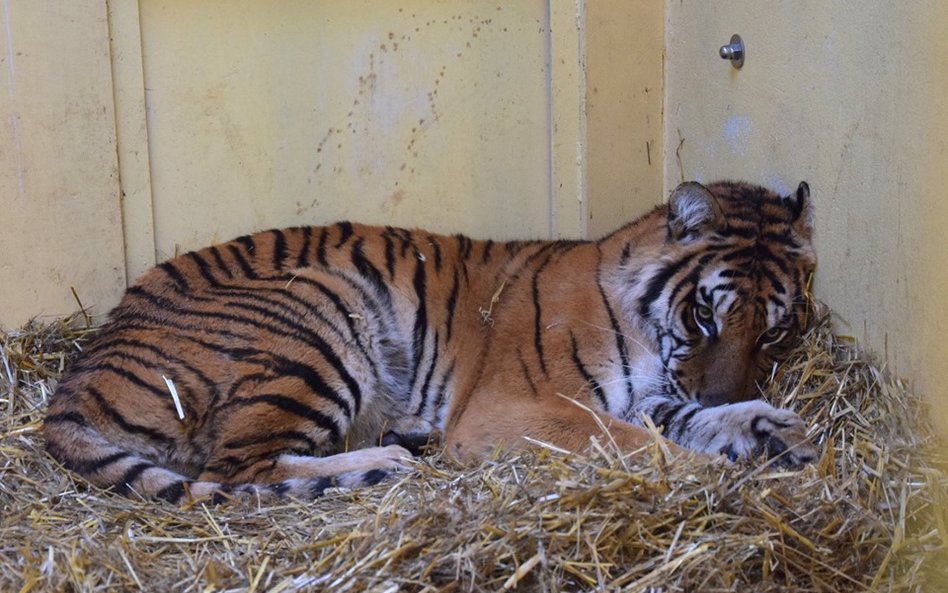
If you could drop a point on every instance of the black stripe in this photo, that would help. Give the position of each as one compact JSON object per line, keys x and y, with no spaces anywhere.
{"x":221,"y":264}
{"x":280,"y":298}
{"x":121,"y":342}
{"x":281,"y":301}
{"x":66,"y":417}
{"x":314,"y":380}
{"x":336,"y":301}
{"x":303,"y":259}
{"x":288,"y":404}
{"x":664,"y":412}
{"x":369,"y":271}
{"x":142,"y":320}
{"x":526,"y":374}
{"x":127,"y":426}
{"x":439,"y":407}
{"x":270,"y":465}
{"x":780,"y":237}
{"x":680,"y":425}
{"x":173,"y":492}
{"x":91,"y":466}
{"x":618,"y":335}
{"x":129,"y":376}
{"x":487,"y":249}
{"x":774,"y":280}
{"x":280,"y":489}
{"x":313,"y":339}
{"x":587,"y":376}
{"x":452,"y":305}
{"x":405,"y":237}
{"x":203,"y":267}
{"x":689,"y":282}
{"x":537,"y":323}
{"x":437,"y":252}
{"x":374,"y":476}
{"x":269,"y":437}
{"x":229,"y":465}
{"x":320,"y":485}
{"x":124,"y":484}
{"x":242,"y":261}
{"x":427,"y":382}
{"x":389,"y":252}
{"x":321,"y":246}
{"x":626,"y":254}
{"x":175,"y":275}
{"x":345,"y":231}
{"x":742,"y":232}
{"x":297,"y":331}
{"x":340,"y":307}
{"x":464,"y":246}
{"x":658,"y":283}
{"x":248,"y":242}
{"x":538,"y":314}
{"x":420,"y":330}
{"x":279,"y":249}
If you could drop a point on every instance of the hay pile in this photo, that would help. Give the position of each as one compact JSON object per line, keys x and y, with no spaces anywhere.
{"x":870,"y":516}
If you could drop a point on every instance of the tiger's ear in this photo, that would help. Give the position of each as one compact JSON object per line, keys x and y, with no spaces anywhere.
{"x":692,"y":211}
{"x":801,"y":210}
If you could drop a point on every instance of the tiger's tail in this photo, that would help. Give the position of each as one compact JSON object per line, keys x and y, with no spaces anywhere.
{"x":83,"y":449}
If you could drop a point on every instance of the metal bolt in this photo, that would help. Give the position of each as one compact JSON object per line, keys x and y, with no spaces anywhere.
{"x":733,"y":51}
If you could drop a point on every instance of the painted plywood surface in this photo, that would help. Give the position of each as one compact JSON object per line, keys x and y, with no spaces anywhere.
{"x":60,"y":218}
{"x":849,"y":96}
{"x":379,"y":111}
{"x":624,"y":45}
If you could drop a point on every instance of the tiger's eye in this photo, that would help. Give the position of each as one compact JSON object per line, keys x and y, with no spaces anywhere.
{"x":772,"y":335}
{"x":704,"y":313}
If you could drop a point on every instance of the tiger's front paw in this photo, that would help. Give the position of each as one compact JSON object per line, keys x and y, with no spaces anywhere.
{"x":748,"y":429}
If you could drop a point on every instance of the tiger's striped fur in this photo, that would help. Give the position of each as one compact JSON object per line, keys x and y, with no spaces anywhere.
{"x":289,"y":347}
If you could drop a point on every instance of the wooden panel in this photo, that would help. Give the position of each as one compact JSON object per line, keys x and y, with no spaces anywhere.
{"x":850,"y":97}
{"x":624,"y":61}
{"x":410,"y":113}
{"x":59,"y":201}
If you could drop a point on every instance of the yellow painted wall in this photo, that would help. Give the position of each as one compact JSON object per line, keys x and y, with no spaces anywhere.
{"x":398,"y":113}
{"x":851,"y":96}
{"x":60,"y":217}
{"x":535,"y":118}
{"x":624,"y":43}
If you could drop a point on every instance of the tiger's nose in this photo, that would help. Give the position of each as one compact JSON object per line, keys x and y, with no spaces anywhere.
{"x":720,"y":397}
{"x":710,"y":400}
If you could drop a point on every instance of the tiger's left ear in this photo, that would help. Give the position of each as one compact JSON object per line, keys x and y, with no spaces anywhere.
{"x":692,"y":211}
{"x":801,"y":209}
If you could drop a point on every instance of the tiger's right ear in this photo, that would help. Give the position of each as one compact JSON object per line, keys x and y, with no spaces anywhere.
{"x":801,"y":210}
{"x":692,"y":211}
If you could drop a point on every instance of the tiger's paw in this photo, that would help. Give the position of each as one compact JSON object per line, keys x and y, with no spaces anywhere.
{"x":747,"y":429}
{"x":417,"y":443}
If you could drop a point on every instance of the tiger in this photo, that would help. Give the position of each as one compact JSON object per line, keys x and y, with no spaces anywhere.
{"x":287,"y":362}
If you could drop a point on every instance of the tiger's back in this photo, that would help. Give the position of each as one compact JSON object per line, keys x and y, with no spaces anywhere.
{"x":275,"y":362}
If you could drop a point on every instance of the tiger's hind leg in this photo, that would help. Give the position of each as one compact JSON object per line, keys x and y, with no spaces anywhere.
{"x":277,"y":432}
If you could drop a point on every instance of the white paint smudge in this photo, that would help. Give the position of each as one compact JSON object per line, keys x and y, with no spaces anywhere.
{"x":776,"y":183}
{"x":737,"y":131}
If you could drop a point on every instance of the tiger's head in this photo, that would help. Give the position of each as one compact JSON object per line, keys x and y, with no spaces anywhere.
{"x":727,"y":296}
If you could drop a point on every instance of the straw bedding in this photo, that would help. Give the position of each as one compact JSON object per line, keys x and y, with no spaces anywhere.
{"x":871,"y":515}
